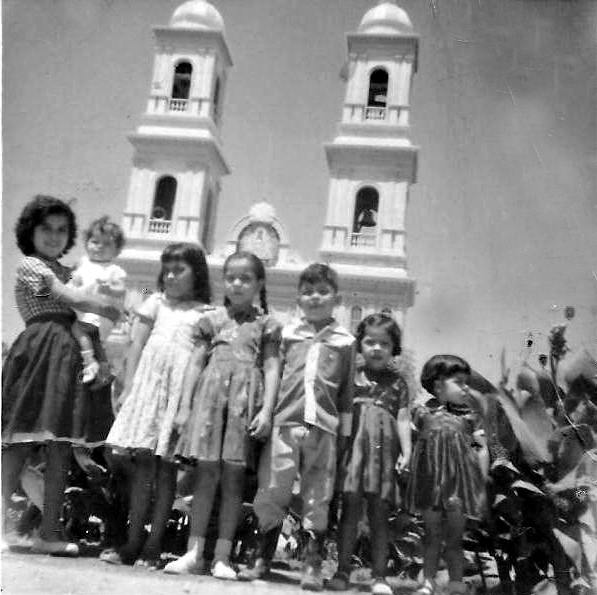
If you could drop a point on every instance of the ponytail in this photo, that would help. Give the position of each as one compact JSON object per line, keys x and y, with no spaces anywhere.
{"x":263,"y":299}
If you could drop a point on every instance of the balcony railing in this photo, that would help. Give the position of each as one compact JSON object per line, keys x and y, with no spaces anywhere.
{"x":159,"y":226}
{"x":178,"y":105}
{"x":374,"y":113}
{"x":362,"y":240}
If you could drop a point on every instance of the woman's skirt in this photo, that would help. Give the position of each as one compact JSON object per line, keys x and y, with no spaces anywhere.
{"x":42,"y":396}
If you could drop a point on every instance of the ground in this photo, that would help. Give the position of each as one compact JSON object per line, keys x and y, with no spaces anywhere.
{"x":27,"y":574}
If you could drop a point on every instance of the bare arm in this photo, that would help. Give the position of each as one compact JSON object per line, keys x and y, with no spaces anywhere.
{"x":404,"y":435}
{"x":482,"y":453}
{"x":78,"y":300}
{"x":141,"y":331}
{"x":261,"y":425}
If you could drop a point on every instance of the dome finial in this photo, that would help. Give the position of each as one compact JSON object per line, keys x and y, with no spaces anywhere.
{"x":197,"y":14}
{"x":386,"y":18}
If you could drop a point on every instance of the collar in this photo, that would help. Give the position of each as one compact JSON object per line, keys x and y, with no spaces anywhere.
{"x":307,"y":328}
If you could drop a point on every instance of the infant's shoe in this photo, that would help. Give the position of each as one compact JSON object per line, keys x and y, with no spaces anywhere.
{"x":223,"y":570}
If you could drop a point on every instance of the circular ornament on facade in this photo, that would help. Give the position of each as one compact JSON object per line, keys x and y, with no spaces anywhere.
{"x":262,"y":240}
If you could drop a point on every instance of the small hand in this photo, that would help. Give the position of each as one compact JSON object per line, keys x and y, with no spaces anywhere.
{"x":181,"y":419}
{"x":261,"y":426}
{"x":402,"y":463}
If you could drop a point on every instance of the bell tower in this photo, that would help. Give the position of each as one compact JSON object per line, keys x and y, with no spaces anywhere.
{"x":372,"y":163}
{"x":178,"y":160}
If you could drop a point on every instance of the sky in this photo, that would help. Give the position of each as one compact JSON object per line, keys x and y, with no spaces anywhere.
{"x":501,"y":224}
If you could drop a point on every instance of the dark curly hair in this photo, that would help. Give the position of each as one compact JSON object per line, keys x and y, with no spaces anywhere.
{"x":35,"y":213}
{"x":442,"y":366}
{"x":259,"y":270}
{"x":194,"y":256}
{"x":319,"y":273}
{"x":105,"y":226}
{"x":387,"y":323}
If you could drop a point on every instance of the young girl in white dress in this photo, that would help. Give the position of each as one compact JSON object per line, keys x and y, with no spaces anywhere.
{"x":146,"y":426}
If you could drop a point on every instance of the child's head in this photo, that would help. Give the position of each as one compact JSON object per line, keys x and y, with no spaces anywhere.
{"x":446,"y":377}
{"x":318,"y":293}
{"x":46,"y":226}
{"x":104,"y":240}
{"x":379,"y":339}
{"x":244,"y":278}
{"x":184,"y":273}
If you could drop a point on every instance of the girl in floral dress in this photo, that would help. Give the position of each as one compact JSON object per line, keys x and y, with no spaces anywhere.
{"x":146,"y":427}
{"x":232,"y":404}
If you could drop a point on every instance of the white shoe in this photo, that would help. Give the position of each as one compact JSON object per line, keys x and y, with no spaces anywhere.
{"x":223,"y":570}
{"x":187,"y":564}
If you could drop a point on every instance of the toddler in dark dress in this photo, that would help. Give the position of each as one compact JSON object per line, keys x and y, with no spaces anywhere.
{"x":449,"y":467}
{"x":380,"y":443}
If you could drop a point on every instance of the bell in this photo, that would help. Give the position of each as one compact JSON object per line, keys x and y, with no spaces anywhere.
{"x":367,"y":218}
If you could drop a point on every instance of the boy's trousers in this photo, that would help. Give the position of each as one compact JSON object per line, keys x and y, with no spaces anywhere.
{"x":304,"y":451}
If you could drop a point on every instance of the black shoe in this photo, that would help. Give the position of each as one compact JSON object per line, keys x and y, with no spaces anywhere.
{"x":259,"y":565}
{"x":312,"y":579}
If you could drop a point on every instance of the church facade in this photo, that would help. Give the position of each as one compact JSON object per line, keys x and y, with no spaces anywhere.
{"x":179,"y":162}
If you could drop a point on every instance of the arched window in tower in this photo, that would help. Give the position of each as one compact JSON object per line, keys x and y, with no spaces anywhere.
{"x":163,"y":205}
{"x":181,"y":87}
{"x":377,"y":100}
{"x":364,"y":226}
{"x":356,"y":315}
{"x":216,"y":101}
{"x":206,"y":233}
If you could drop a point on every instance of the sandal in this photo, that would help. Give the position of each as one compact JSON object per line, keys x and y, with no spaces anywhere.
{"x":148,"y":563}
{"x":427,"y":588}
{"x":54,"y":548}
{"x":112,"y":556}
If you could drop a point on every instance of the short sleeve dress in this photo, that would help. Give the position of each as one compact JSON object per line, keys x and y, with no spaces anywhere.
{"x":230,"y":390}
{"x":42,"y":398}
{"x":445,"y":470}
{"x":374,"y":447}
{"x":146,"y":420}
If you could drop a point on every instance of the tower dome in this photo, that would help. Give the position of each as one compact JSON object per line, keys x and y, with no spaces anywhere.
{"x":197,"y":14}
{"x":385,"y":18}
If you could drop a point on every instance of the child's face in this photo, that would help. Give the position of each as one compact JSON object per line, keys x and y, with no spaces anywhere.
{"x":317,"y":301}
{"x":241,"y":283}
{"x":179,"y":280}
{"x":377,"y":347}
{"x":51,"y":236}
{"x":101,"y":247}
{"x":452,"y":389}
